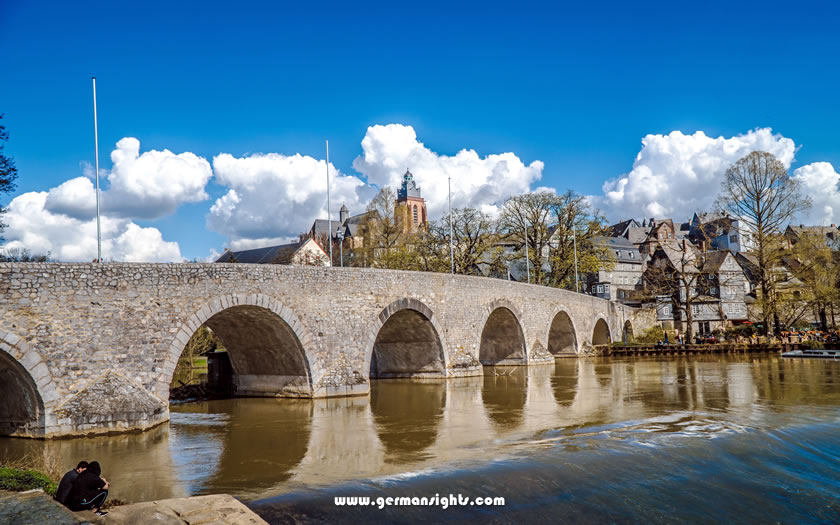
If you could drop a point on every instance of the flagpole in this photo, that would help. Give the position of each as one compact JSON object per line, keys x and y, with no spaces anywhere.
{"x":527,"y":255}
{"x":451,"y":246}
{"x":329,"y":219}
{"x":96,"y":163}
{"x":574,"y":243}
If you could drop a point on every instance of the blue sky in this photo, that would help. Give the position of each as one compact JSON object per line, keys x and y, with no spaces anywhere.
{"x":574,"y":86}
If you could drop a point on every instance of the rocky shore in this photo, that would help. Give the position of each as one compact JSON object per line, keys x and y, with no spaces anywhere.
{"x":36,"y":508}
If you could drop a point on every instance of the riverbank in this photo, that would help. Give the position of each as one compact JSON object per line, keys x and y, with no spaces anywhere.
{"x":36,"y":507}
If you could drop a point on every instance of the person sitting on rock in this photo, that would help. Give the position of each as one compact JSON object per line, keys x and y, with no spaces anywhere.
{"x":67,"y":481}
{"x":89,"y":490}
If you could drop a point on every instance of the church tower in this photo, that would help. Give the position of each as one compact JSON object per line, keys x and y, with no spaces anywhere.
{"x":410,"y":205}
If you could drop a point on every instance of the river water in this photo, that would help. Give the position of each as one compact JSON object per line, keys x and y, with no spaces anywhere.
{"x":752,"y":439}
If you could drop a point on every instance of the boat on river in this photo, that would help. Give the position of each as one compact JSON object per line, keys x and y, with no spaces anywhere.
{"x":814,"y":352}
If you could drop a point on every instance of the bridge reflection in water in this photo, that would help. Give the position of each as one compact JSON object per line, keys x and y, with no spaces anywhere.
{"x":260,"y":447}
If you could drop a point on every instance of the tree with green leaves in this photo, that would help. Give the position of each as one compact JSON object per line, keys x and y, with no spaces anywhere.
{"x":8,"y":172}
{"x":815,"y":262}
{"x":759,"y":192}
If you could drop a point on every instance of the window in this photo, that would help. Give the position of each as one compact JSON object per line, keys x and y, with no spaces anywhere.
{"x":713,"y":290}
{"x":630,"y":254}
{"x":415,"y":214}
{"x":600,"y":288}
{"x":695,"y":309}
{"x":606,"y":288}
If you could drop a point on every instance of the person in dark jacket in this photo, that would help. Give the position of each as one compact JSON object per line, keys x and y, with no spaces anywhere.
{"x":67,"y":481}
{"x":89,"y":490}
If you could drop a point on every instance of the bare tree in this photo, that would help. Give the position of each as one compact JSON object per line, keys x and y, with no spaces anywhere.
{"x":758,"y":191}
{"x":23,"y":255}
{"x":383,"y":232}
{"x":576,"y":228}
{"x":675,"y":272}
{"x":525,"y":219}
{"x":472,"y":235}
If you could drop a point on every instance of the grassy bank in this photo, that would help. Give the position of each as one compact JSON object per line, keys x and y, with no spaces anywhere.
{"x":17,"y":480}
{"x":35,"y":471}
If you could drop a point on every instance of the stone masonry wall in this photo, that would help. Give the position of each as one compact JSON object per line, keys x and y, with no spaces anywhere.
{"x":87,"y":333}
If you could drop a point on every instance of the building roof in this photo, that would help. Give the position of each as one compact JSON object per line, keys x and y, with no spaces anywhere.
{"x":630,"y":229}
{"x":681,"y":254}
{"x":620,"y":229}
{"x":713,"y":260}
{"x":280,"y":254}
{"x":829,"y":232}
{"x":623,"y":249}
{"x":637,"y":234}
{"x":351,"y":225}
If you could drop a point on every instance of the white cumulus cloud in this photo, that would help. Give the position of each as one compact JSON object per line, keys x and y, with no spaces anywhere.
{"x":478,"y":182}
{"x":821,"y":182}
{"x":32,"y":226}
{"x":272,"y":197}
{"x":141,"y":186}
{"x":675,"y":174}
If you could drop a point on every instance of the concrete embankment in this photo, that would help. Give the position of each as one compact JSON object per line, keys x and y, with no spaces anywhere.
{"x":36,"y":508}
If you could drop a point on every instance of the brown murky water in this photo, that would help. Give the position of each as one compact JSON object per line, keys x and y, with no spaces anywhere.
{"x":725,"y":421}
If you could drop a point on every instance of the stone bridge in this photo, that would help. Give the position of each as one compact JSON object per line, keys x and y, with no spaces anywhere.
{"x":90,"y":348}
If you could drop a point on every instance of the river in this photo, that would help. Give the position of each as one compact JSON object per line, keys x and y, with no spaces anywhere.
{"x":703,"y":439}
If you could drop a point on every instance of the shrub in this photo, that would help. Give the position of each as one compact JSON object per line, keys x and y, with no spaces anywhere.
{"x":18,"y":480}
{"x":812,"y":345}
{"x":742,"y":330}
{"x":652,"y":335}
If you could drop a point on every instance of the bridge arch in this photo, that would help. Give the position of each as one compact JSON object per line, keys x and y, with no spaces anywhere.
{"x":502,"y":339}
{"x":269,"y":347}
{"x":27,"y":391}
{"x":562,"y":335}
{"x":406,"y":340}
{"x":601,"y":332}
